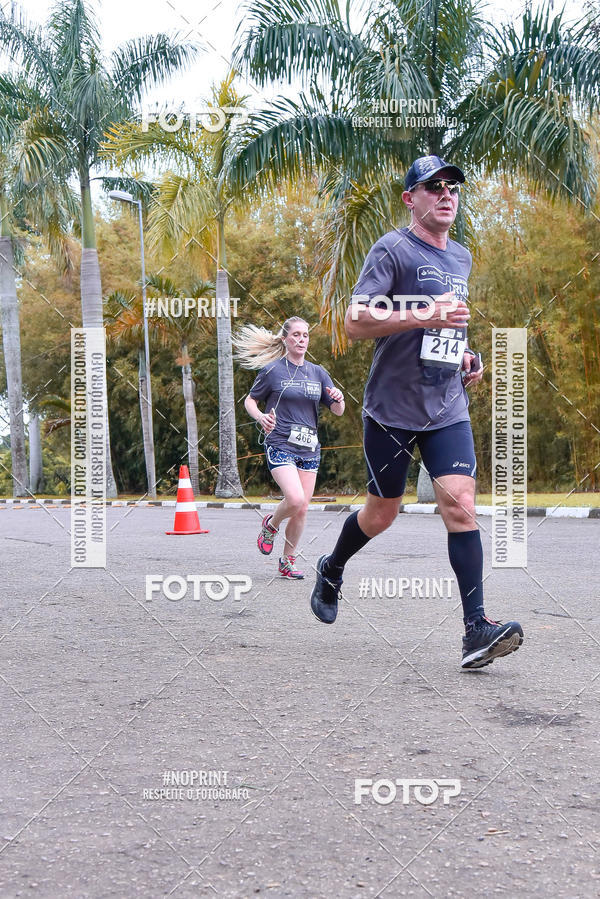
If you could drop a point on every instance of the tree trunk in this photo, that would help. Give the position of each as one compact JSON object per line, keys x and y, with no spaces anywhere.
{"x":36,"y":471}
{"x":91,"y":297}
{"x":148,"y":436}
{"x":11,"y":340}
{"x":190,"y":418}
{"x":425,"y":492}
{"x":228,"y":481}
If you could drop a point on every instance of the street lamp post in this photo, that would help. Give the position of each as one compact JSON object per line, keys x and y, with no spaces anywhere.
{"x":126,"y":197}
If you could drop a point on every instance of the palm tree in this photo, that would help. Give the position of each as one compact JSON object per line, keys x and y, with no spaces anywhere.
{"x":84,"y":94}
{"x":26,"y":205}
{"x":189,"y":208}
{"x":125,"y":321}
{"x":127,"y":324}
{"x":511,"y":100}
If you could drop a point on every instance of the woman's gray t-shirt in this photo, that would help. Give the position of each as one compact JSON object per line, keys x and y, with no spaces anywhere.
{"x":295,"y":392}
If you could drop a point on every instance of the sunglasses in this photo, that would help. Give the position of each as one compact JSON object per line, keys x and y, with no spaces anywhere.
{"x":437,"y":185}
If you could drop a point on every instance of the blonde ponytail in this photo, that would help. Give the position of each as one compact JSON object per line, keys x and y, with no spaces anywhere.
{"x":257,"y":347}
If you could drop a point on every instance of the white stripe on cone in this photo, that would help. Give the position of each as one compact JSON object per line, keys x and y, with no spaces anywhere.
{"x":185,"y":507}
{"x":185,"y":482}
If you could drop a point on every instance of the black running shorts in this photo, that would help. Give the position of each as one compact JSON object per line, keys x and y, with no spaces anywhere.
{"x":389,"y":451}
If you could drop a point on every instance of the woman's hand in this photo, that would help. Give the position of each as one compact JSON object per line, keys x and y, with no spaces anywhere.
{"x":336,"y":395}
{"x":267,"y":421}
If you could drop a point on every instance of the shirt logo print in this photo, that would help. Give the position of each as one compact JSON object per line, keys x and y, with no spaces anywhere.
{"x":455,"y":282}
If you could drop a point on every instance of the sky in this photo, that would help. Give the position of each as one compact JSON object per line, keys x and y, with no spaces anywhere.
{"x":212,"y":23}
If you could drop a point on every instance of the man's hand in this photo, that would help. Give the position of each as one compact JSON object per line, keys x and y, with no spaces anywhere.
{"x":447,"y":312}
{"x":474,"y":377}
{"x":336,"y":395}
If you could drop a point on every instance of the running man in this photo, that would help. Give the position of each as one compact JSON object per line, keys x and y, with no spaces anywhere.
{"x":415,"y":395}
{"x":291,"y":390}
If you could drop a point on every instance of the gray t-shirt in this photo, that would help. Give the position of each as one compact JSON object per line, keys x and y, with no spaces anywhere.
{"x":401,"y":391}
{"x":295,"y":393}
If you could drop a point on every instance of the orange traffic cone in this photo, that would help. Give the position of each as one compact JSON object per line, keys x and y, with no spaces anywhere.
{"x":186,"y":514}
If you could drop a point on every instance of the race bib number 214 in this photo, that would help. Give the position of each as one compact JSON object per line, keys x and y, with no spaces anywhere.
{"x":443,"y":347}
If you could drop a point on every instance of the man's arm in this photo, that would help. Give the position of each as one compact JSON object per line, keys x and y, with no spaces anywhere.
{"x":364,"y":321}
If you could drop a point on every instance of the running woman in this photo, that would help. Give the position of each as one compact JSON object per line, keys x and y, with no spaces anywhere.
{"x":291,"y":390}
{"x":415,"y":394}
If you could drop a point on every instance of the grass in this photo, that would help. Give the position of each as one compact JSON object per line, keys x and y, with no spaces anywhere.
{"x":483,"y":499}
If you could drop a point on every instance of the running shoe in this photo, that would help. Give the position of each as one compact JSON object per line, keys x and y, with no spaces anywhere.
{"x":287,"y":567}
{"x":266,"y":536}
{"x":486,"y":640}
{"x":325,"y":595}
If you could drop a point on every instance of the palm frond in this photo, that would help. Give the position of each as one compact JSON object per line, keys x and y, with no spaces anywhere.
{"x":296,"y":39}
{"x":138,"y":187}
{"x":148,"y":61}
{"x":39,"y":147}
{"x":150,"y":142}
{"x":91,"y":98}
{"x":25,"y":43}
{"x":526,"y":115}
{"x":351,"y":225}
{"x":182,"y":213}
{"x":290,"y":140}
{"x":74,"y":34}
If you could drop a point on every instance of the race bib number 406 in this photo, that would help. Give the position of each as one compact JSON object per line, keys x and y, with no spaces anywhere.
{"x":302,"y":435}
{"x":444,"y":347}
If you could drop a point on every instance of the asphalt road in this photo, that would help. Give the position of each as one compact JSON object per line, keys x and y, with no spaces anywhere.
{"x":109,"y":696}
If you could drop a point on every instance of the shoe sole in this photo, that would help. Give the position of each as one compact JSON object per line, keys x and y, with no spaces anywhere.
{"x":292,"y":577}
{"x":502,"y":646}
{"x":320,"y":620}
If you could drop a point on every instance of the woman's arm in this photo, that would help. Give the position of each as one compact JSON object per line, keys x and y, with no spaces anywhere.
{"x":339,"y":405}
{"x":267,"y":421}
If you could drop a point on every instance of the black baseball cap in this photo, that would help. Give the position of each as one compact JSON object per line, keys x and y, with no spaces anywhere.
{"x":425,"y":167}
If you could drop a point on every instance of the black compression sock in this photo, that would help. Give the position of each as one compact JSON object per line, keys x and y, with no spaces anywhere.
{"x":349,"y":542}
{"x":466,"y":557}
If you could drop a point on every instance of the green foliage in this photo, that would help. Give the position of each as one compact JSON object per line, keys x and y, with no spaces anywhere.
{"x":520,"y":277}
{"x":515,"y":100}
{"x":537,"y":267}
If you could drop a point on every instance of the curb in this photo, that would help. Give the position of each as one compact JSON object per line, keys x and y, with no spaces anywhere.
{"x":409,"y":509}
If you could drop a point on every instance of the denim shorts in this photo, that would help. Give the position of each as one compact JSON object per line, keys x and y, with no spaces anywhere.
{"x":277,"y":457}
